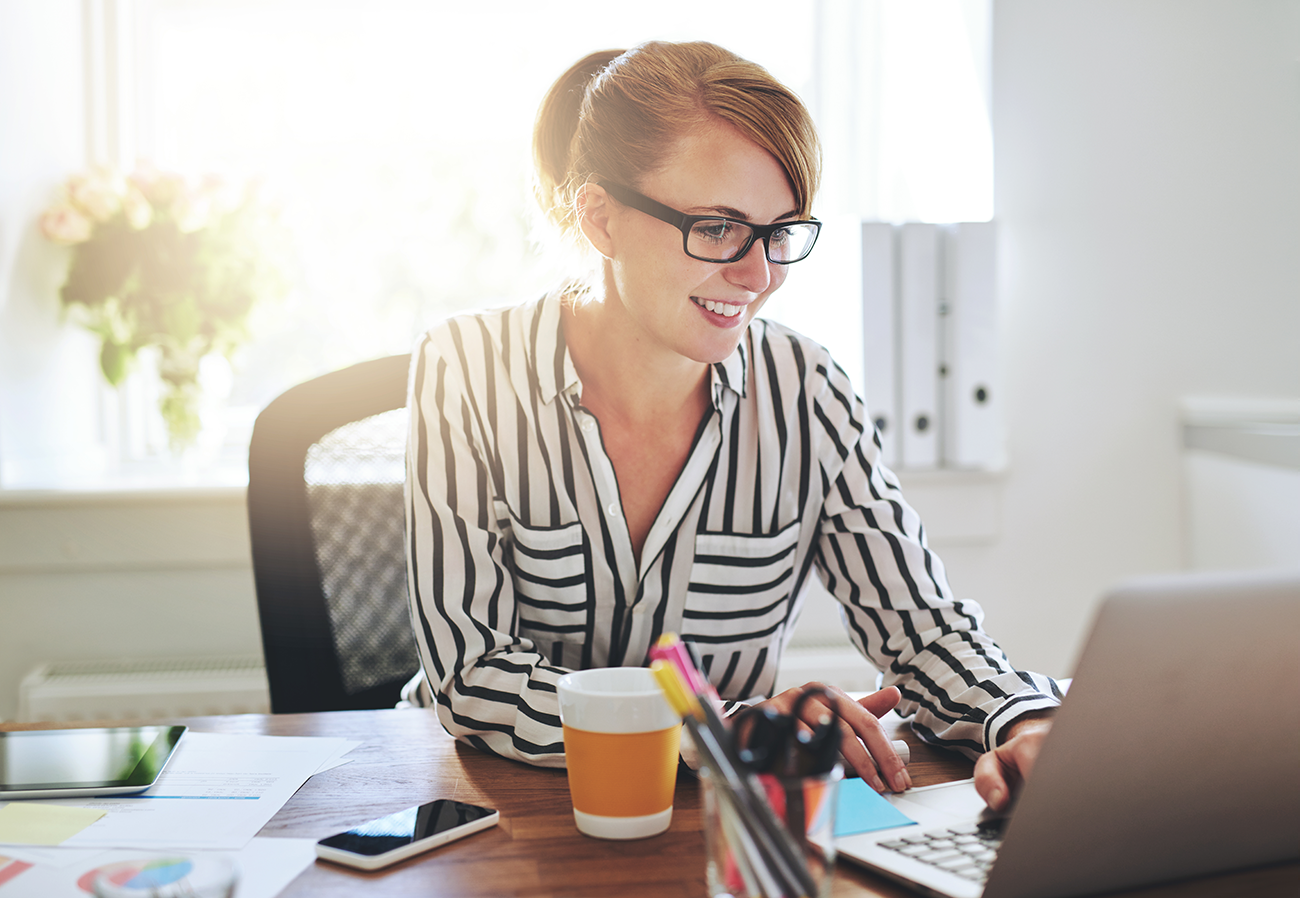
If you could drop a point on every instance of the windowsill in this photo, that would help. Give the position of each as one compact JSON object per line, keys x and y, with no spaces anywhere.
{"x":958,"y":507}
{"x":120,"y":528}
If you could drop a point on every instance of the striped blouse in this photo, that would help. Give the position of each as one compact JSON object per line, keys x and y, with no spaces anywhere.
{"x":521,"y":567}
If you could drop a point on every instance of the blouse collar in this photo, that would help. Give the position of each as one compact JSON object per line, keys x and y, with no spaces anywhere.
{"x":552,"y":370}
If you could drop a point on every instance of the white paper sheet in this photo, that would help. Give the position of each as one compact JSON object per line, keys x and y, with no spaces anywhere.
{"x":266,"y":867}
{"x":217,"y":793}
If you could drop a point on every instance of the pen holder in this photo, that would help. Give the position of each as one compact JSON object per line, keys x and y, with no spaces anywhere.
{"x":805,"y":805}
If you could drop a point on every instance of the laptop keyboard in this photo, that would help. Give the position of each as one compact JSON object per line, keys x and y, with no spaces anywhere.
{"x":967,"y":851}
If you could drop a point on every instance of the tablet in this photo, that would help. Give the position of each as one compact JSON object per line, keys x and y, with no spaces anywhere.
{"x":81,"y":762}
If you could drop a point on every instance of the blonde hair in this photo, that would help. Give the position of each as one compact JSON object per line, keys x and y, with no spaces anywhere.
{"x":617,"y":114}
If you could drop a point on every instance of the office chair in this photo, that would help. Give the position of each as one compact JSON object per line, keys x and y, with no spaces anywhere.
{"x":326,"y":465}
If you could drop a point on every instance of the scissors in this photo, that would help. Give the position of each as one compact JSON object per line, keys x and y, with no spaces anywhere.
{"x":772,"y":743}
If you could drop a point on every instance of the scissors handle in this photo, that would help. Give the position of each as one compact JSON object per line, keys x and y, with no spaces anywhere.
{"x":773,"y":743}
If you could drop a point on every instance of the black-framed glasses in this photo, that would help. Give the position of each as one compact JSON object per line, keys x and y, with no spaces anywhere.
{"x":715,"y":238}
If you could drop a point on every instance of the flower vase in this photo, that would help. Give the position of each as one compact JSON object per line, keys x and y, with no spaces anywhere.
{"x":178,"y":368}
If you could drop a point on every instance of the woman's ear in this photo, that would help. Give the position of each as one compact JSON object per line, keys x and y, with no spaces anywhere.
{"x":593,"y":217}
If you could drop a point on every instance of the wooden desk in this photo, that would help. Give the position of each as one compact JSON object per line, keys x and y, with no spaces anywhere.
{"x":407,"y":758}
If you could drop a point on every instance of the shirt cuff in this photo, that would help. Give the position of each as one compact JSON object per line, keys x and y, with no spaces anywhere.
{"x":1012,"y":711}
{"x":416,"y":693}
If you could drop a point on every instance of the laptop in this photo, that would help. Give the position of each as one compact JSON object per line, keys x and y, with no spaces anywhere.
{"x":1175,"y":754}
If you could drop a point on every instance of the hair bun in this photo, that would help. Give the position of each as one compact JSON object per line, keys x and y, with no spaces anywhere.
{"x":557,"y":122}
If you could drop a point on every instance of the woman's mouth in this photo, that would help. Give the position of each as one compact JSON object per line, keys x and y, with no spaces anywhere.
{"x":726,"y":309}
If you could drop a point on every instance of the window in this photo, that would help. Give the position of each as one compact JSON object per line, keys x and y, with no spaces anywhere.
{"x":395,"y":136}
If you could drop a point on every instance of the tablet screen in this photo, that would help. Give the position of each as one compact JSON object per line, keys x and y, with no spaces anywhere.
{"x":84,"y":761}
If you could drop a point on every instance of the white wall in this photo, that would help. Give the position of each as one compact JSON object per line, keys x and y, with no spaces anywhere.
{"x":1148,"y":189}
{"x":1148,"y":185}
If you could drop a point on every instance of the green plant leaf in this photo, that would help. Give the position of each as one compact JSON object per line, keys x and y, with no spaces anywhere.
{"x":115,"y":361}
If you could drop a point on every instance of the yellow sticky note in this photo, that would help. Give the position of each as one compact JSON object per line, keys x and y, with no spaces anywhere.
{"x":25,"y":823}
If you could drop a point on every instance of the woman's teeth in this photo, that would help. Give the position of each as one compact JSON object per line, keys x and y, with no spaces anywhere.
{"x":721,"y":308}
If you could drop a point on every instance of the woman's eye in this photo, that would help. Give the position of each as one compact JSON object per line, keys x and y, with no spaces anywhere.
{"x":780,"y":237}
{"x":715,"y":231}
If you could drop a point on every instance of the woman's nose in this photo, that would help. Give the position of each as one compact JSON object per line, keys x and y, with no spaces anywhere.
{"x":752,"y":272}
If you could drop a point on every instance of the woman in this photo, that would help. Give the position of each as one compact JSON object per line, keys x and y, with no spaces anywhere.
{"x":638,"y":453}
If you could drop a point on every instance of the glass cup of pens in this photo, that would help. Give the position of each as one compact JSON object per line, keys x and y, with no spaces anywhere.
{"x":799,"y":774}
{"x":769,"y":787}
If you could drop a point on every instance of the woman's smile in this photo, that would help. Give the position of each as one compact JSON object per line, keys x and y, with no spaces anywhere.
{"x":726,"y":310}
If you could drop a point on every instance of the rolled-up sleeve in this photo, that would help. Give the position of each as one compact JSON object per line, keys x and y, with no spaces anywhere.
{"x":956,"y":683}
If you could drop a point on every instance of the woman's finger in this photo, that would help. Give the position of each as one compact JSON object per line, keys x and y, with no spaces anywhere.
{"x":865,"y":746}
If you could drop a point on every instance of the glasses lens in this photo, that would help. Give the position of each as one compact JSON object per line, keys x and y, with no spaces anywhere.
{"x":718,"y":240}
{"x":723,"y":240}
{"x":790,"y":244}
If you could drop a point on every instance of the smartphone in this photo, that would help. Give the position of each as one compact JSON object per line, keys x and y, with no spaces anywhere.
{"x":404,"y":834}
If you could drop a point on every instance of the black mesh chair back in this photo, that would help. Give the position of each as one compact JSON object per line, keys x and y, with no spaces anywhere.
{"x":326,"y":466}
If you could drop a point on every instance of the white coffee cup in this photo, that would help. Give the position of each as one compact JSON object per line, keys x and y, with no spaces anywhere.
{"x":621,"y":740}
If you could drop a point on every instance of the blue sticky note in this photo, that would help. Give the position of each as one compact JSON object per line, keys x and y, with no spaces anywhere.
{"x":862,"y":810}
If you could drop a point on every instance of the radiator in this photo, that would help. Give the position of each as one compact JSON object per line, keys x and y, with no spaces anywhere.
{"x":132,"y":688}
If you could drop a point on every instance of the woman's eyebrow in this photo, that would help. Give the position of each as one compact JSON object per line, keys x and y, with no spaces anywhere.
{"x":731,"y":212}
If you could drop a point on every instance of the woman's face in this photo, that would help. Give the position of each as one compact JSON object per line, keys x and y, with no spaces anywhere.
{"x":678,"y":304}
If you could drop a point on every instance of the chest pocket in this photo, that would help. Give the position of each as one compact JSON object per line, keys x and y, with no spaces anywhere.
{"x":741,"y":587}
{"x":555,"y":606}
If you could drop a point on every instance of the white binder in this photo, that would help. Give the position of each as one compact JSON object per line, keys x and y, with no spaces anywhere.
{"x":880,"y":334}
{"x":919,"y":345}
{"x":972,"y":432}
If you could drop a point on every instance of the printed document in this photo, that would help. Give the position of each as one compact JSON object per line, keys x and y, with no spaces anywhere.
{"x":217,"y":793}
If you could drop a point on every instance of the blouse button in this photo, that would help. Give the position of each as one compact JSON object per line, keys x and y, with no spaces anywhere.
{"x":613,"y":509}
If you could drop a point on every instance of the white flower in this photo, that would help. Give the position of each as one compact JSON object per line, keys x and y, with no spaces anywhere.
{"x":97,"y":194}
{"x":138,"y":212}
{"x":64,"y":223}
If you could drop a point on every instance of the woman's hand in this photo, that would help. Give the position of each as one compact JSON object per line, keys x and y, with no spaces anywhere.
{"x":1000,"y":773}
{"x":864,"y":737}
